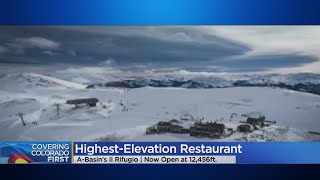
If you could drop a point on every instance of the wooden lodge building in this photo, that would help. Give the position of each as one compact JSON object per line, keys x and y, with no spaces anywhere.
{"x":244,"y":128}
{"x":164,"y":127}
{"x":208,"y":129}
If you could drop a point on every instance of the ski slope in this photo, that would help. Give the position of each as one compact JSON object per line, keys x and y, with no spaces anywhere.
{"x":35,"y":95}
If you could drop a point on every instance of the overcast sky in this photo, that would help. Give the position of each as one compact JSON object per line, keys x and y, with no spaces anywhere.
{"x":191,"y":48}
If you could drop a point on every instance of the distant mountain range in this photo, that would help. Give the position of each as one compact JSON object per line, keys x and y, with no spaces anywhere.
{"x":304,"y":82}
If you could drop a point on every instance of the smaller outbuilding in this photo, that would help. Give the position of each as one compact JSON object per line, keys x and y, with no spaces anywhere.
{"x":256,"y":121}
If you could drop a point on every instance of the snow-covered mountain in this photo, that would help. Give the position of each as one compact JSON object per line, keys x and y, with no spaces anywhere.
{"x":289,"y":79}
{"x":305,"y":82}
{"x":84,"y":75}
{"x":24,"y":81}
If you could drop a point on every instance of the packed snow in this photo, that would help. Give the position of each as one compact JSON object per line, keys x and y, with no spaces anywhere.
{"x":124,"y":114}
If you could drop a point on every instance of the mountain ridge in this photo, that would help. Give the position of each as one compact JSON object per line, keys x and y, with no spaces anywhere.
{"x":303,"y":82}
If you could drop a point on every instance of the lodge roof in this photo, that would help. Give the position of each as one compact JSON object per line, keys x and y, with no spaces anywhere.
{"x":168,"y":124}
{"x":163,"y":123}
{"x":213,"y":125}
{"x":261,"y":118}
{"x":174,"y":121}
{"x":82,"y":101}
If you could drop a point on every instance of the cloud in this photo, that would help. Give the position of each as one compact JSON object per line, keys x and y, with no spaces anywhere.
{"x":265,"y":62}
{"x":72,"y":52}
{"x":33,"y":42}
{"x":160,"y":46}
{"x":303,"y":40}
{"x":141,"y":48}
{"x":48,"y":52}
{"x":108,"y":62}
{"x":3,"y":49}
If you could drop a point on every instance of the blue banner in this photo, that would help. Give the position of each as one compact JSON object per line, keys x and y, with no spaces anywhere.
{"x":164,"y":12}
{"x":246,"y":153}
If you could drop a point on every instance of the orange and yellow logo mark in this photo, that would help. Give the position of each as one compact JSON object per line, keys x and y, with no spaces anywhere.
{"x":19,"y":159}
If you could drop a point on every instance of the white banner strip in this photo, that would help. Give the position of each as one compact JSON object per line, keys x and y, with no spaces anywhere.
{"x":155,"y":159}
